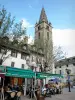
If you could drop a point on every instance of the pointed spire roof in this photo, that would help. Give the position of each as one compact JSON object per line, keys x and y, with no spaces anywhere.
{"x":43,"y":16}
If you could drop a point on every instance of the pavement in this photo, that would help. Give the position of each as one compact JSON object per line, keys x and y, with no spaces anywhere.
{"x":65,"y":96}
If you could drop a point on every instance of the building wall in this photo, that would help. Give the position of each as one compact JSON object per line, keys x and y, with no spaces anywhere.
{"x":63,"y":71}
{"x":18,"y":61}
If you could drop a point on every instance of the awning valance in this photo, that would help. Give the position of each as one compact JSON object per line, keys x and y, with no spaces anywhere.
{"x":41,"y":75}
{"x":18,"y":72}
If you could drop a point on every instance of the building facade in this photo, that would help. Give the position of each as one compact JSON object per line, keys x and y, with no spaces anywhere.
{"x":21,"y":58}
{"x":62,"y":65}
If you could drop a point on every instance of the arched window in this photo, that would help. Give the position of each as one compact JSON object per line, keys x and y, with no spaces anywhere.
{"x":48,"y":35}
{"x":39,"y":35}
{"x":39,"y":27}
{"x":47,"y":27}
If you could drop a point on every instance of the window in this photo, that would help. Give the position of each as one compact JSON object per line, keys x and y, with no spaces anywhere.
{"x":22,"y":66}
{"x":13,"y":53}
{"x":23,"y":56}
{"x":39,"y":27}
{"x":12,"y":64}
{"x":59,"y":66}
{"x":47,"y":27}
{"x":60,"y":72}
{"x":73,"y":64}
{"x":39,"y":35}
{"x":48,"y":35}
{"x":67,"y":65}
{"x":55,"y":67}
{"x":4,"y":51}
{"x":73,"y":58}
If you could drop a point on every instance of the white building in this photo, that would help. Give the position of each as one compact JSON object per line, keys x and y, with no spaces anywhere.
{"x":21,"y":58}
{"x":62,"y":65}
{"x":14,"y":57}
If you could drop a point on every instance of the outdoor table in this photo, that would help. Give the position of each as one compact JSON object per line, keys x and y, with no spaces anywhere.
{"x":12,"y":91}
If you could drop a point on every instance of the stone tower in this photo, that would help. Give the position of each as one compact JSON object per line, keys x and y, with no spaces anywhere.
{"x":43,"y":36}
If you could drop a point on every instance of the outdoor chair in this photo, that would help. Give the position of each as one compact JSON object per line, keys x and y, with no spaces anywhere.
{"x":12,"y":96}
{"x":19,"y":96}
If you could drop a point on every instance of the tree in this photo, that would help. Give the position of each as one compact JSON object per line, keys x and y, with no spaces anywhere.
{"x":51,"y":54}
{"x":58,"y":54}
{"x":6,"y":22}
{"x":8,"y":29}
{"x":18,"y":31}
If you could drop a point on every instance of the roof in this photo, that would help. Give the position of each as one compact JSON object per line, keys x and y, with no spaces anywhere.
{"x":43,"y":16}
{"x":14,"y":48}
{"x":66,"y":61}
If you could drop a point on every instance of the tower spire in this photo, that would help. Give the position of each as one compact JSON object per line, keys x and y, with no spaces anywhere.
{"x":43,"y":16}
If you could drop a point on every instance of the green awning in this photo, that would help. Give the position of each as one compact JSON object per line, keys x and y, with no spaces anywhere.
{"x":17,"y":72}
{"x":41,"y":75}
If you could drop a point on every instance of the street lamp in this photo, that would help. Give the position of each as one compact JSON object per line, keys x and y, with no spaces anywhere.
{"x":68,"y":71}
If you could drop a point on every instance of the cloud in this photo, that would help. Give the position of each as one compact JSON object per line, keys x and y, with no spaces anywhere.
{"x":65,"y":38}
{"x":30,"y":40}
{"x":26,"y":24}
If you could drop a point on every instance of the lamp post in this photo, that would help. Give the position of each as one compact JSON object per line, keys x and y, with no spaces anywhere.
{"x":68,"y":75}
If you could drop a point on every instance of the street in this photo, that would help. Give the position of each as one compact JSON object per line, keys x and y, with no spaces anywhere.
{"x":65,"y":96}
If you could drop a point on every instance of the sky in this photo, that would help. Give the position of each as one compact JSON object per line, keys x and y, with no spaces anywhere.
{"x":61,"y":13}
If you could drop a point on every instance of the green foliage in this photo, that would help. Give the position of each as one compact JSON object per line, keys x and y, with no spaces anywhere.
{"x":10,"y":32}
{"x":6,"y":22}
{"x":18,"y":30}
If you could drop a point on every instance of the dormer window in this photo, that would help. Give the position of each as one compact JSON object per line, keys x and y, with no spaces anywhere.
{"x":23,"y":56}
{"x":14,"y":54}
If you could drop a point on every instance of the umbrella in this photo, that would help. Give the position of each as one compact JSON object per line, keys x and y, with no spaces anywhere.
{"x":55,"y":80}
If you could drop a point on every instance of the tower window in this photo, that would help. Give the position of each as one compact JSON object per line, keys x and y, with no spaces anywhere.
{"x":48,"y":35}
{"x":47,"y":27}
{"x":39,"y":27}
{"x":39,"y":35}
